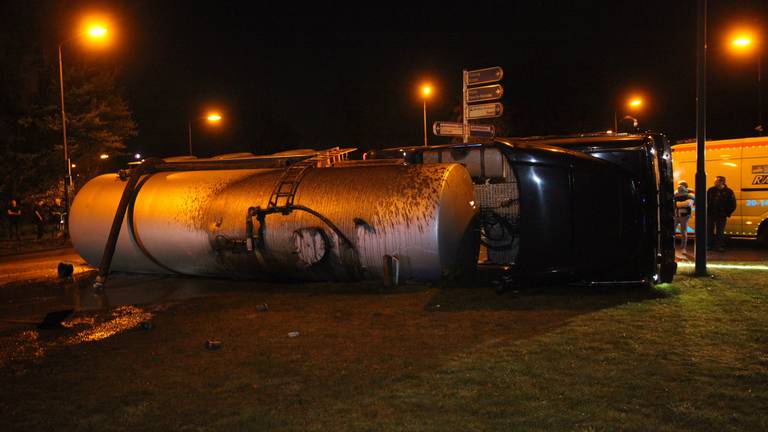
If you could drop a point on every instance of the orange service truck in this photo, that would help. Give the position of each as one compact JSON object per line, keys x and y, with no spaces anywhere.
{"x":744,"y":164}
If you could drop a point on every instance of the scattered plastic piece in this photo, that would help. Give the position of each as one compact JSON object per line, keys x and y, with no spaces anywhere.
{"x":293,"y":334}
{"x":263,"y":307}
{"x":212,"y":344}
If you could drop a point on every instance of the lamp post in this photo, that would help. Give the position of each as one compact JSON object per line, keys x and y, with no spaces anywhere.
{"x":426,"y":91}
{"x":212,"y":118}
{"x":701,"y":138}
{"x":95,"y":32}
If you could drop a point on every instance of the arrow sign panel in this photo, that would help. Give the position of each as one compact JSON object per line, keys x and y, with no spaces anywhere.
{"x":457,"y":129}
{"x":441,"y":128}
{"x":479,"y":94}
{"x":484,"y":76}
{"x":482,"y":130}
{"x":488,"y":110}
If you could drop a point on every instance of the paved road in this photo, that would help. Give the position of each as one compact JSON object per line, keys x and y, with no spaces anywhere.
{"x":37,"y":265}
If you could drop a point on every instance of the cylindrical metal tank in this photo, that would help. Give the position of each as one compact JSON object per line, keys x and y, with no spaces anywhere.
{"x":194,"y":223}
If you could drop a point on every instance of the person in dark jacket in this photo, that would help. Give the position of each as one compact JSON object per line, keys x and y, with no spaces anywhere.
{"x":14,"y":220}
{"x":721,"y":203}
{"x":40,"y":218}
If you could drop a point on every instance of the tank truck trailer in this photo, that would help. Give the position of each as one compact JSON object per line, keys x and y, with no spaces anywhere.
{"x":301,"y":215}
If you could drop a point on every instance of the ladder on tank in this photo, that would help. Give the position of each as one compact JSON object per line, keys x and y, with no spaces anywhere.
{"x":285,"y":189}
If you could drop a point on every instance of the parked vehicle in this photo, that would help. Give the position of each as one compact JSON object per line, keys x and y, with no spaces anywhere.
{"x":586,"y":209}
{"x":744,"y":164}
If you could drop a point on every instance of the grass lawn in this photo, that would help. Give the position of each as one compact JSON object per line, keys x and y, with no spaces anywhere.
{"x":691,"y":355}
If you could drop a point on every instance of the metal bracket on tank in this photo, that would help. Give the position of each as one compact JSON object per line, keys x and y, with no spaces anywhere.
{"x":254,"y":239}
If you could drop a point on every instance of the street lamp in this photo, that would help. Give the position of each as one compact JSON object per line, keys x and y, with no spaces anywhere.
{"x":96,"y":32}
{"x":212,"y":118}
{"x":426,"y":92}
{"x":745,"y":42}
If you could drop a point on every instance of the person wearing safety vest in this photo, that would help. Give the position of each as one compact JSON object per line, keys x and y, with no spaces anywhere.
{"x":683,"y":209}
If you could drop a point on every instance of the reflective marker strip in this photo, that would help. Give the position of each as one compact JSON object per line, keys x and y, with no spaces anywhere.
{"x":728,"y":266}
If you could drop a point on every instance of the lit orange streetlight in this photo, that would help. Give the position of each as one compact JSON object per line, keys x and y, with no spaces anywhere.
{"x":744,"y":42}
{"x":426,"y":92}
{"x":212,"y":118}
{"x":634,"y":103}
{"x":93,"y":31}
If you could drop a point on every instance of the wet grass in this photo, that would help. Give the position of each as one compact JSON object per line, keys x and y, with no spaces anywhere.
{"x":691,"y":355}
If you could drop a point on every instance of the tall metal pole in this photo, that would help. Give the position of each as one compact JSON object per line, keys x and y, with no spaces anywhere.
{"x":615,"y":122}
{"x":67,"y":166}
{"x":760,"y":127}
{"x":425,"y":121}
{"x":189,"y":127}
{"x":465,"y":109}
{"x":701,"y":136}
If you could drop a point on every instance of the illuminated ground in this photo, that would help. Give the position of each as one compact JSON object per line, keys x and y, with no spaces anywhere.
{"x":692,"y":355}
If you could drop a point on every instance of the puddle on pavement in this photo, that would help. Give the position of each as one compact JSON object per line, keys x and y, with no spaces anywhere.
{"x":123,"y":318}
{"x":126,"y":302}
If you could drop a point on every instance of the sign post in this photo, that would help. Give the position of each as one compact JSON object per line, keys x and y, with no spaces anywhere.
{"x":465,"y":110}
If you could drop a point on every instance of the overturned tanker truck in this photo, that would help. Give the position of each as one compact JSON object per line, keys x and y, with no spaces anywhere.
{"x":294,"y":216}
{"x":586,"y":209}
{"x":593,"y":209}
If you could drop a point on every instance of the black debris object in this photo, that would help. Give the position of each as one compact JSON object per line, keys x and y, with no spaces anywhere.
{"x":212,"y":344}
{"x":53,"y":320}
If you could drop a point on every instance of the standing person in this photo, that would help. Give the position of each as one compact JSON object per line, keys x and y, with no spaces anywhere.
{"x":683,"y":209}
{"x":57,"y":218}
{"x":39,"y":212}
{"x":721,"y":202}
{"x":14,"y":220}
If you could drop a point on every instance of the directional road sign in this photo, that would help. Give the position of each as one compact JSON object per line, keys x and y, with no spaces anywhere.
{"x":484,"y":76}
{"x":489,"y":110}
{"x":482,"y":130}
{"x":485,"y":93}
{"x":441,"y":128}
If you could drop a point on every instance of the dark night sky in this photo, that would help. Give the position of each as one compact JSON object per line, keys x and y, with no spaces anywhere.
{"x":296,"y":78}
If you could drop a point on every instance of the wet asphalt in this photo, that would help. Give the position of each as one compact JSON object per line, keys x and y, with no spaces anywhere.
{"x":30,"y":286}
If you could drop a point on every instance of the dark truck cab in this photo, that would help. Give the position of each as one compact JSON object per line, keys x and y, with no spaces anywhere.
{"x":585,"y":209}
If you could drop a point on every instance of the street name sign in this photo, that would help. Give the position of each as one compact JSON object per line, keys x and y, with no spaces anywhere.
{"x":489,"y":110}
{"x":482,"y":130}
{"x":441,"y":128}
{"x":485,"y":93}
{"x":484,"y":76}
